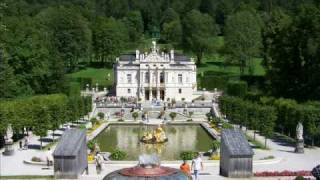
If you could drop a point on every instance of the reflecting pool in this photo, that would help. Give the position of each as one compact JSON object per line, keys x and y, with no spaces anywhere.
{"x":180,"y":138}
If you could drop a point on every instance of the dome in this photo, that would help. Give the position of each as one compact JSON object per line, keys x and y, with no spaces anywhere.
{"x":148,"y":167}
{"x":140,"y":173}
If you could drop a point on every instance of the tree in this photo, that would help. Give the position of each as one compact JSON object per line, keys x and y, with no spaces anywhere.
{"x":69,"y":33}
{"x":173,"y":115}
{"x":243,"y":38}
{"x":135,"y":115}
{"x":8,"y":83}
{"x":101,"y":115}
{"x":198,"y":40}
{"x":172,"y":32}
{"x":42,"y":120}
{"x":267,"y":118}
{"x":109,"y":38}
{"x":215,"y":145}
{"x":134,"y":24}
{"x":293,"y":71}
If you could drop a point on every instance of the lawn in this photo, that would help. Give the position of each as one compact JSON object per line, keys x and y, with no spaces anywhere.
{"x":98,"y":75}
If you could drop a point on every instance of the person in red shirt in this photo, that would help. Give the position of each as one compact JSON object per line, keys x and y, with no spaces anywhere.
{"x":185,"y":167}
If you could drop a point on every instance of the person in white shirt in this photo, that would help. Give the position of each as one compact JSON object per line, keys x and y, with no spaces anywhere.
{"x":196,"y":166}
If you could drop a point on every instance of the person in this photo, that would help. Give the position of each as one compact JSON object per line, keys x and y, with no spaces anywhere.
{"x":49,"y":158}
{"x":185,"y":167}
{"x":26,"y":142}
{"x":98,"y":162}
{"x":197,"y":165}
{"x":20,"y":145}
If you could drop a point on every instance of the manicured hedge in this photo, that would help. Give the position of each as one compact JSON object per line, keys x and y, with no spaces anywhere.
{"x":237,"y":88}
{"x":211,"y":80}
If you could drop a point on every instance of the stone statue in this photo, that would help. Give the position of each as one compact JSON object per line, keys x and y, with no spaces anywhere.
{"x":9,"y":133}
{"x":300,"y":142}
{"x":299,"y":131}
{"x":8,"y":149}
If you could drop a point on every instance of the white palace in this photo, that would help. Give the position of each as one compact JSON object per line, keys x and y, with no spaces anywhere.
{"x":155,"y":75}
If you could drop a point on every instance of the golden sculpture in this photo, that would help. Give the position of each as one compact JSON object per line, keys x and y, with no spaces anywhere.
{"x":154,"y":137}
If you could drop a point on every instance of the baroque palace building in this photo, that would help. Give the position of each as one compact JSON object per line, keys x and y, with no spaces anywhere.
{"x":155,"y":75}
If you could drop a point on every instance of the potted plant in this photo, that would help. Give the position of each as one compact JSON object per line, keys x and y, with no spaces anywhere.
{"x":173,"y":115}
{"x":135,"y":115}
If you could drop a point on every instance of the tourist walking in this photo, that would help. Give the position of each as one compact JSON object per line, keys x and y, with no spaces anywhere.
{"x":185,"y":167}
{"x":99,"y":160}
{"x":49,"y":158}
{"x":197,"y":166}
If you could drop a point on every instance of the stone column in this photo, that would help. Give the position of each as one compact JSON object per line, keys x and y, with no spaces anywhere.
{"x":150,"y":94}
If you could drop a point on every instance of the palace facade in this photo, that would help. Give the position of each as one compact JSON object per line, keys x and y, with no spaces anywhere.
{"x":155,"y":75}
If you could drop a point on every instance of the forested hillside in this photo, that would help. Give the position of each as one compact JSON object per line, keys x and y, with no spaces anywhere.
{"x":43,"y":40}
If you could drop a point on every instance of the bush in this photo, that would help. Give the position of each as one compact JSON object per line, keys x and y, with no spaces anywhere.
{"x":187,"y":155}
{"x":101,"y":115}
{"x":212,"y":80}
{"x":237,"y":88}
{"x":135,"y":115}
{"x":173,"y":115}
{"x":35,"y":159}
{"x":299,"y":178}
{"x":215,"y":145}
{"x":118,"y":155}
{"x":93,"y":121}
{"x":91,"y":145}
{"x":227,"y":126}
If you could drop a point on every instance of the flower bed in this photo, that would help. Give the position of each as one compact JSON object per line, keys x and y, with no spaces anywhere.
{"x":282,"y":173}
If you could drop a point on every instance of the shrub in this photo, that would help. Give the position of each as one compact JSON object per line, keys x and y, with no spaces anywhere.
{"x":135,"y":115}
{"x":118,"y":155}
{"x":189,"y":120}
{"x":215,"y":145}
{"x":187,"y":155}
{"x":82,"y":126}
{"x":93,"y":121}
{"x":35,"y":159}
{"x":173,"y":115}
{"x":237,"y":88}
{"x":215,"y":157}
{"x":299,"y":178}
{"x":120,"y":120}
{"x":91,"y":145}
{"x":190,"y":114}
{"x":209,"y":115}
{"x":101,"y":115}
{"x":227,"y":126}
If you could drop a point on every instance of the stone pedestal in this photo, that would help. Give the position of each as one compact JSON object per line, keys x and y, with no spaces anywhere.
{"x":299,"y":146}
{"x":8,"y":148}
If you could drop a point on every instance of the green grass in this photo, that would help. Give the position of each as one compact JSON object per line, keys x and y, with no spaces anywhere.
{"x":256,"y":143}
{"x":98,"y":75}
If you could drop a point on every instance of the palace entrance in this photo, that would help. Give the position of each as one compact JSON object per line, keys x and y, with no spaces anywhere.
{"x":146,"y":95}
{"x":162,"y":95}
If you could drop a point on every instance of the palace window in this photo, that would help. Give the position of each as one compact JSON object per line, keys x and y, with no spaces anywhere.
{"x":129,"y":91}
{"x":180,"y":91}
{"x":146,"y":78}
{"x":129,"y":78}
{"x":167,"y":75}
{"x":161,"y":77}
{"x":179,"y":78}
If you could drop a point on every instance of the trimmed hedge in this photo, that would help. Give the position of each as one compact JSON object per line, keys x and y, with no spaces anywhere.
{"x":211,"y":80}
{"x":237,"y":88}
